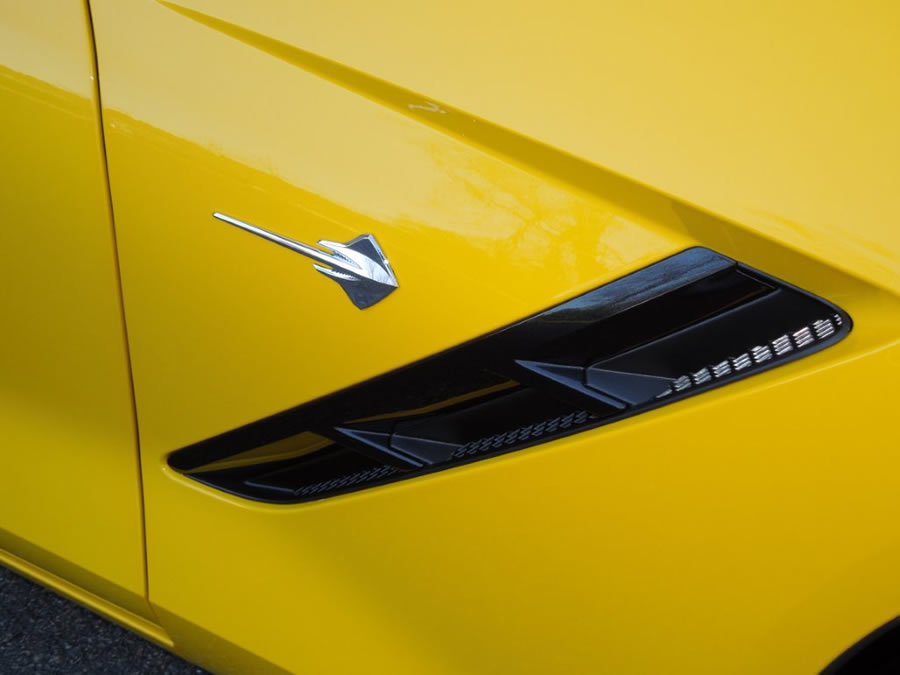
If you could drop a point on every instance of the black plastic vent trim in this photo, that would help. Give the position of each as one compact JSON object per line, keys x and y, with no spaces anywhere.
{"x":691,"y":322}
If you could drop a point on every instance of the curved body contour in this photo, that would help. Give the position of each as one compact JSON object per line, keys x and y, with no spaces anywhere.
{"x":509,"y":158}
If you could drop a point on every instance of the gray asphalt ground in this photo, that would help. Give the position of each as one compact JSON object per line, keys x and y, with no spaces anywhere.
{"x":41,"y":632}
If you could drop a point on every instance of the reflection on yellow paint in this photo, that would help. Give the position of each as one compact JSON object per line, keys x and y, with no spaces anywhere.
{"x":69,"y":485}
{"x":477,"y":241}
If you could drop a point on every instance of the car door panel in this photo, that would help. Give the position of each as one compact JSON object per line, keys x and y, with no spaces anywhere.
{"x":70,"y":499}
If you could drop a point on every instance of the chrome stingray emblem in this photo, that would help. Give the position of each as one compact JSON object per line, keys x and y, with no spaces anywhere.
{"x":359,"y":266}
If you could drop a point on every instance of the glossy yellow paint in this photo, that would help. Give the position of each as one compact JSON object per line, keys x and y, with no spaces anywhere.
{"x":507,"y":157}
{"x":747,"y":530}
{"x":70,"y":499}
{"x":779,"y":116}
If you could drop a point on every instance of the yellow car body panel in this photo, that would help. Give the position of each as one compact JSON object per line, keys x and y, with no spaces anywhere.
{"x":70,"y":497}
{"x":507,"y":158}
{"x":778,"y":116}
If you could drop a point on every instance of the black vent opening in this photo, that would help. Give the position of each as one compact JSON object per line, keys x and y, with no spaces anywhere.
{"x":692,"y":322}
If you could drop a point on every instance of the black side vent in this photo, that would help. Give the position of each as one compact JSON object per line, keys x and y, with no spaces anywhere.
{"x":694,"y":321}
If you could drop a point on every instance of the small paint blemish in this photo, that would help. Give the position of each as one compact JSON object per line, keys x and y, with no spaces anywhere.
{"x":428,"y":106}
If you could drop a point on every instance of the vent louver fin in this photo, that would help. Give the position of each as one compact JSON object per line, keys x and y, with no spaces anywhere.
{"x":689,"y":323}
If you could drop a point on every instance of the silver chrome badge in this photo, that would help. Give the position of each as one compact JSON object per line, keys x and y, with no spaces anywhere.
{"x":359,"y":266}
